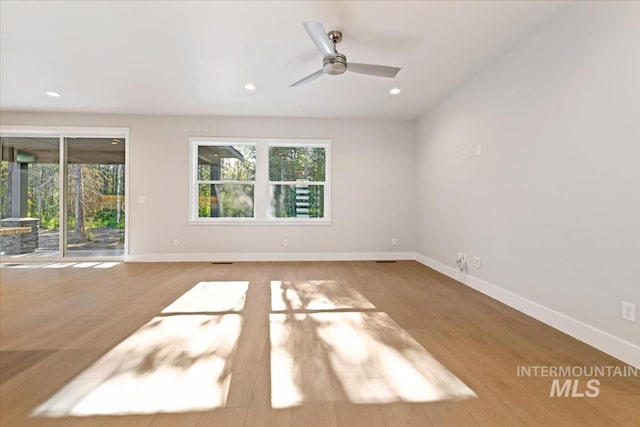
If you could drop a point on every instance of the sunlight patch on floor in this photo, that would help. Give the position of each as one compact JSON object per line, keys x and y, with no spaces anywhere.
{"x":284,"y":390}
{"x":58,"y":265}
{"x":211,"y":297}
{"x":371,"y":358}
{"x":106,"y":264}
{"x":316,"y":295}
{"x":177,"y":362}
{"x":86,"y":264}
{"x":376,"y":361}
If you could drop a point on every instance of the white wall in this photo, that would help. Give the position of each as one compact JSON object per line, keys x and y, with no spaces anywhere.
{"x":552,"y":203}
{"x":373,"y":191}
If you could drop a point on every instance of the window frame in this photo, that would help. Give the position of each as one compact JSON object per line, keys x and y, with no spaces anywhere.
{"x":262,"y":184}
{"x":197,"y":182}
{"x":325,"y":183}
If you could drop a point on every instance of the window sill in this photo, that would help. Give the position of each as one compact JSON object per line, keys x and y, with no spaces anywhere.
{"x":251,"y":222}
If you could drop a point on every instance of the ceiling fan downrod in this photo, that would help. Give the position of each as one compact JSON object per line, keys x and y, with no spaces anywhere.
{"x":337,"y":64}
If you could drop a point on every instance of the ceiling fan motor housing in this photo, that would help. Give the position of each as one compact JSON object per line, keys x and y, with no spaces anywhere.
{"x":335,"y":66}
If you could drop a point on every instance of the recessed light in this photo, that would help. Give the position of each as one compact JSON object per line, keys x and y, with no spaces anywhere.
{"x":52,"y":94}
{"x":395,"y":91}
{"x":249,"y":86}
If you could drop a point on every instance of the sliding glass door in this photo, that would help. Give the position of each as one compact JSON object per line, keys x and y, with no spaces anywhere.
{"x":30,"y":196}
{"x":62,"y":196}
{"x":95,"y":196}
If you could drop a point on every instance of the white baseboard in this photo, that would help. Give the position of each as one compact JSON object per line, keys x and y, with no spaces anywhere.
{"x":603,"y":341}
{"x":283,"y":256}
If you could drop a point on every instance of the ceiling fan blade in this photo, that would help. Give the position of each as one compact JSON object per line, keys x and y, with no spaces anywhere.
{"x":308,"y":79}
{"x":374,"y":70}
{"x":319,"y":36}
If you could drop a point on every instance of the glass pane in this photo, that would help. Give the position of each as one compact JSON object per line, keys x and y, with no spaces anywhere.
{"x":227,"y":163}
{"x":29,"y":196}
{"x":294,"y":163}
{"x":95,"y":185}
{"x":297,"y":201}
{"x":225,"y":201}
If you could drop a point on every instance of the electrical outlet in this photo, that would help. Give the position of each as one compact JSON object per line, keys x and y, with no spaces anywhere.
{"x":628,"y":311}
{"x":478,"y":150}
{"x":285,"y":242}
{"x":476,"y":261}
{"x":176,"y":242}
{"x":460,"y":262}
{"x":464,"y":154}
{"x":394,"y":241}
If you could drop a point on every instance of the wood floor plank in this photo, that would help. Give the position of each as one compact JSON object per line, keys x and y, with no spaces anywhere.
{"x":443,"y":414}
{"x":404,"y":415}
{"x":129,"y":421}
{"x":224,"y":417}
{"x":84,"y":421}
{"x":172,"y":420}
{"x":351,"y":414}
{"x":260,"y":411}
{"x":314,"y":414}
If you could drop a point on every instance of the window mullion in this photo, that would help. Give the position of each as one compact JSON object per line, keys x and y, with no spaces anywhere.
{"x":297,"y":182}
{"x":224,"y":181}
{"x":261,"y":189}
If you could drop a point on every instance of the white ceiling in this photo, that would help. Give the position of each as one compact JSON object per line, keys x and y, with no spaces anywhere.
{"x":164,"y":57}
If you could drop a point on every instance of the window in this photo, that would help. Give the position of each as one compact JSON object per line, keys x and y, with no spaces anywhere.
{"x":260,"y":181}
{"x":296,"y":181}
{"x":226,"y":180}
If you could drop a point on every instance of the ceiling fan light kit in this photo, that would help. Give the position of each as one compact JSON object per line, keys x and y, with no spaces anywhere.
{"x":334,"y":66}
{"x":334,"y":62}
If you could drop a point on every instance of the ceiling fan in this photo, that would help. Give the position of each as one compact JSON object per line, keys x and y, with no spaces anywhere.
{"x":334,"y":62}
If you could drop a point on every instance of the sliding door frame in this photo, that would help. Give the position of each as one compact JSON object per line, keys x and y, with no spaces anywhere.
{"x":62,"y":133}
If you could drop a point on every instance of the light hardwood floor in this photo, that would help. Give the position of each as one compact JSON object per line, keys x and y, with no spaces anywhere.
{"x":281,"y":344}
